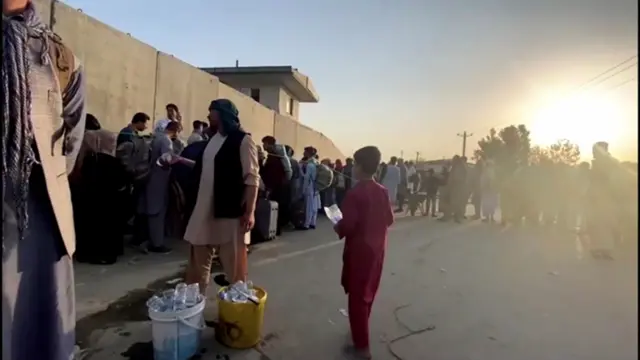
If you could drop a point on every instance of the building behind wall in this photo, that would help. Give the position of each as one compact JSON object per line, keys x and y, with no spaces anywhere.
{"x":279,"y":88}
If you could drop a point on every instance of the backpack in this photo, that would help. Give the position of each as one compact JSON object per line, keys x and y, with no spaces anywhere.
{"x":63,"y":61}
{"x":135,"y":155}
{"x":324,"y":177}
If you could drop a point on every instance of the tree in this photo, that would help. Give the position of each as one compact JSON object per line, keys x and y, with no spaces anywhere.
{"x":563,"y":152}
{"x":509,"y":147}
{"x":490,"y":147}
{"x":539,"y":156}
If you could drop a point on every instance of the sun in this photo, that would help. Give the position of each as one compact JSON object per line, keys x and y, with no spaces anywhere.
{"x":584,"y":119}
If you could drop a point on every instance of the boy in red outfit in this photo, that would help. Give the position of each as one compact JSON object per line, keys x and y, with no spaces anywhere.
{"x":367,"y":215}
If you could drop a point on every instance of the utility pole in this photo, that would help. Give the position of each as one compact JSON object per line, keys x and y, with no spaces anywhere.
{"x":401,"y":154}
{"x":464,"y":137}
{"x":417,"y":156}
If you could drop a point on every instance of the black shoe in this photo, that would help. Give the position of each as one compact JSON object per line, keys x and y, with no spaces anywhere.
{"x":312,"y":227}
{"x":159,"y":249}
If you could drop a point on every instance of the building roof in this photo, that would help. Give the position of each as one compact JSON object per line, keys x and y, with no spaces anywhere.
{"x":297,"y":84}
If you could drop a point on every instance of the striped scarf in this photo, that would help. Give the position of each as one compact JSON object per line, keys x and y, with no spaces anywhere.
{"x":18,"y":154}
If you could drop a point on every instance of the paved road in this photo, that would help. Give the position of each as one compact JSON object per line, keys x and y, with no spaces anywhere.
{"x":449,"y":292}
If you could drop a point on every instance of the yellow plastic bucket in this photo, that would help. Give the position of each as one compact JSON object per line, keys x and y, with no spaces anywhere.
{"x":240,"y":324}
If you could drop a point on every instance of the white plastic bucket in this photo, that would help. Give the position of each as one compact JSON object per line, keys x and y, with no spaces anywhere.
{"x":176,"y":335}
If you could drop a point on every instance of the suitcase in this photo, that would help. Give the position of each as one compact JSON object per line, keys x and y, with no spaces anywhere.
{"x":266,"y":224}
{"x":298,"y":214}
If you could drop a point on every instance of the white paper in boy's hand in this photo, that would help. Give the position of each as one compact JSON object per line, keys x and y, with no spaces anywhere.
{"x":333,"y":213}
{"x":165,"y":159}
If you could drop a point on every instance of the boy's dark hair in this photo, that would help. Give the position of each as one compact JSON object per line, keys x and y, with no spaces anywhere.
{"x":140,"y":118}
{"x":197,"y":124}
{"x":173,"y":126}
{"x":270,"y":140}
{"x":368,"y":158}
{"x":172,"y":106}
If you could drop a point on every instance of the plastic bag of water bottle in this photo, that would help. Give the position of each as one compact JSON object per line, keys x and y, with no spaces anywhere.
{"x":240,"y":292}
{"x":333,"y":213}
{"x":182,"y":297}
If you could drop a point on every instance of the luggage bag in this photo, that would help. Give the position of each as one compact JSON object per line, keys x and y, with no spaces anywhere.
{"x":266,"y":224}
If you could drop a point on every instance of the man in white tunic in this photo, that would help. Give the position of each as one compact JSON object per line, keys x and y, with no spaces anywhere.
{"x":390,"y":178}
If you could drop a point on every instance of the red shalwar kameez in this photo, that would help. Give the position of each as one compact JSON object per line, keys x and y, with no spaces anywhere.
{"x":367,"y":215}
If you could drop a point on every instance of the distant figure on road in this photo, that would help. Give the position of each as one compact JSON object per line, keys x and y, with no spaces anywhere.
{"x":458,"y":188}
{"x":489,"y":190}
{"x":367,"y":215}
{"x":308,"y":167}
{"x":390,"y":178}
{"x":429,"y":185}
{"x":602,"y":210}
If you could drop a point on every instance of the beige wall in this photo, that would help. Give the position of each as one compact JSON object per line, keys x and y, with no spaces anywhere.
{"x":43,"y":7}
{"x":179,"y":83}
{"x":125,"y":76}
{"x":120,"y":70}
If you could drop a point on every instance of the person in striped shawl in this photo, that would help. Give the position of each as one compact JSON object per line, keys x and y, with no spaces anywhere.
{"x":42,"y":131}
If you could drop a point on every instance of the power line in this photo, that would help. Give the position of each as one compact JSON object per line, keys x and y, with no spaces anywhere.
{"x":615,"y":73}
{"x":622,"y":83}
{"x":589,"y":84}
{"x":608,"y":71}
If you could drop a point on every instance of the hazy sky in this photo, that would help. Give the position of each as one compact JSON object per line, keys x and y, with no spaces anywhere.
{"x":407,"y":75}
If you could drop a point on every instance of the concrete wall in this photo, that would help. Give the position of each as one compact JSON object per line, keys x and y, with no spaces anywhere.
{"x":188,"y":87}
{"x":125,"y":76}
{"x":120,"y":70}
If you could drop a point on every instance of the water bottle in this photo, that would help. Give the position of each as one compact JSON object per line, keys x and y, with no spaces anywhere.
{"x":168,"y":298}
{"x":180,"y":298}
{"x":155,"y":304}
{"x":193,"y":294}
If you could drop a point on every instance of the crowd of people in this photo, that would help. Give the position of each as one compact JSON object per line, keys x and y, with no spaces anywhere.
{"x":163,"y":198}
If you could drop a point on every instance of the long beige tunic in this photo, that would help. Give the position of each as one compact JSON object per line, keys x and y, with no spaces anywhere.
{"x":203,"y":228}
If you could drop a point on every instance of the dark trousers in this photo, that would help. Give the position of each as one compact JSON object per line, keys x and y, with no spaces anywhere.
{"x":340,"y":193}
{"x":401,"y":197}
{"x":431,"y":204}
{"x":140,"y":230}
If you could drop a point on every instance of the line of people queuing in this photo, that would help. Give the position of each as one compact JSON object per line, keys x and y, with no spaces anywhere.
{"x":597,"y":199}
{"x":127,"y":168}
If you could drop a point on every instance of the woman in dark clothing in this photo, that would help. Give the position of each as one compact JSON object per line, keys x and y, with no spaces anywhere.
{"x":96,"y":198}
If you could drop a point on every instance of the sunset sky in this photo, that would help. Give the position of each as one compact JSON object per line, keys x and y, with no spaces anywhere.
{"x":407,"y":75}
